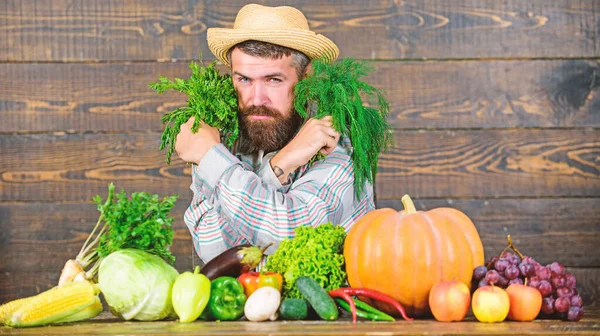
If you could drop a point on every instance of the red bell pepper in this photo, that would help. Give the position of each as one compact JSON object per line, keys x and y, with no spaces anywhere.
{"x":255,"y":280}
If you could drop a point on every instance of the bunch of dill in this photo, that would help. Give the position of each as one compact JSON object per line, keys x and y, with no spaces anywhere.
{"x":338,"y":91}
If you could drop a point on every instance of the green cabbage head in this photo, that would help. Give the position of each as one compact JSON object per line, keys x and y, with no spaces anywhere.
{"x":137,"y":285}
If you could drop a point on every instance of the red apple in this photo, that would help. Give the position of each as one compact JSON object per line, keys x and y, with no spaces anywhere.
{"x":525,"y":302}
{"x":449,"y":300}
{"x":490,"y":304}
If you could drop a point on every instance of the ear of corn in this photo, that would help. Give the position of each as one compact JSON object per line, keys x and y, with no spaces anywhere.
{"x":86,"y":313}
{"x":54,"y":304}
{"x":8,"y":308}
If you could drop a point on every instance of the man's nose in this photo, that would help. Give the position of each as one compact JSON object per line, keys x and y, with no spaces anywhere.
{"x":259,"y":95}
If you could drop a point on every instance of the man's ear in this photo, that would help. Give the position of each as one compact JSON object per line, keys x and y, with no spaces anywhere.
{"x":308,"y":70}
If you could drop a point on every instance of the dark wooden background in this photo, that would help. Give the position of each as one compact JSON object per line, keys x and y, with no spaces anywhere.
{"x":496,"y":107}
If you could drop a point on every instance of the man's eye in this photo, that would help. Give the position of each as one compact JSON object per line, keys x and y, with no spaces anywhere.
{"x":275,"y":80}
{"x":242,"y":79}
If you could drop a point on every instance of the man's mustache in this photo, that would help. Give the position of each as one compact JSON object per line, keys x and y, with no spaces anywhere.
{"x":260,"y":110}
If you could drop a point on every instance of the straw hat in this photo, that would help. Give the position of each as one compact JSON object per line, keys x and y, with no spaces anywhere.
{"x":284,"y":26}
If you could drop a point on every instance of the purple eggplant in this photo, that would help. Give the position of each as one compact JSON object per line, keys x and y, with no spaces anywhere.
{"x":234,"y":261}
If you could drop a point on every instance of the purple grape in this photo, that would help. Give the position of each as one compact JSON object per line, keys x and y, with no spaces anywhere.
{"x":501,"y":265}
{"x":571,"y":280}
{"x":514,"y":260}
{"x":491,"y":262}
{"x":511,"y":272}
{"x":533,"y":282}
{"x":529,"y":260}
{"x":557,"y":268}
{"x":479,"y":272}
{"x":502,"y":281}
{"x":515,"y":281}
{"x":536,"y":266}
{"x":562,"y":304}
{"x":548,"y":305}
{"x":543,"y":273}
{"x":575,"y":314}
{"x":545,"y":288}
{"x":527,"y":269}
{"x":558,"y":281}
{"x":576,"y":301}
{"x":575,"y":291}
{"x":492,"y":276}
{"x":483,"y":282}
{"x":564,"y":291}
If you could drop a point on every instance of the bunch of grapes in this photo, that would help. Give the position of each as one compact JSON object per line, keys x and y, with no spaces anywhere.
{"x":558,"y":288}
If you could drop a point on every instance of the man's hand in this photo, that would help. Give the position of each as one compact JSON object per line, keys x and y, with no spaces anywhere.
{"x":317,"y":135}
{"x":192,"y":147}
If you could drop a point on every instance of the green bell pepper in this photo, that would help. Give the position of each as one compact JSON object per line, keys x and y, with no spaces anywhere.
{"x":227,"y":300}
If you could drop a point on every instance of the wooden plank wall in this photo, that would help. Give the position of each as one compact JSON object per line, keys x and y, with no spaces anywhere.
{"x":496,"y":107}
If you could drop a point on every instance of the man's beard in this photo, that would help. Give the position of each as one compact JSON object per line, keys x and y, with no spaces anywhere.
{"x":268,"y":134}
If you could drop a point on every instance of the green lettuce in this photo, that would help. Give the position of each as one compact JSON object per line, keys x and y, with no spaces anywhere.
{"x":314,"y":252}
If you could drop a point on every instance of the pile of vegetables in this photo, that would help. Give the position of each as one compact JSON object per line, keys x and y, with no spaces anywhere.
{"x":126,"y":257}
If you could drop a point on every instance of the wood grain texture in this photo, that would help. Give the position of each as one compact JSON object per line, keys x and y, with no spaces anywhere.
{"x":41,"y":237}
{"x":455,"y":164}
{"x":81,"y":30}
{"x":425,"y":95}
{"x":491,"y":163}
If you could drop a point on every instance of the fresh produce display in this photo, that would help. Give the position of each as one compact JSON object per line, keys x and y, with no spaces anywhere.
{"x":557,"y":287}
{"x":449,"y":300}
{"x":211,"y":98}
{"x":490,"y":304}
{"x":56,"y":305}
{"x":137,"y":285}
{"x":315,"y":252}
{"x":255,"y":280}
{"x":414,"y":250}
{"x":190,"y":295}
{"x":227,"y":300}
{"x":234,"y":261}
{"x":263,"y":305}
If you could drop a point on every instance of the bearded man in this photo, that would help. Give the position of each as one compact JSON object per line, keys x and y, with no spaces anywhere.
{"x":268,"y":186}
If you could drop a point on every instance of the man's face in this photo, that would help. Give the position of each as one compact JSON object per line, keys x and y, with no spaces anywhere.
{"x":265,"y":90}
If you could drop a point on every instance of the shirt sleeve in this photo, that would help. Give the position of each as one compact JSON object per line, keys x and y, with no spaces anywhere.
{"x":258,"y":209}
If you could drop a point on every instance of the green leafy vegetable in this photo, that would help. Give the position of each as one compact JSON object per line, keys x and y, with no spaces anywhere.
{"x":211,"y":98}
{"x":141,"y":222}
{"x":337,"y":90}
{"x":314,"y":252}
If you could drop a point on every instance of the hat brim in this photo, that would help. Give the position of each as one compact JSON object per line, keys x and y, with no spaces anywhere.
{"x":313,"y":45}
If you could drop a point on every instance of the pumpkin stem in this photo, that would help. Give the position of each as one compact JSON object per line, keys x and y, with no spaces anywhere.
{"x":409,"y":206}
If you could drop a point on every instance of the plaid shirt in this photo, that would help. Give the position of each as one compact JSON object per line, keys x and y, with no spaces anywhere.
{"x":239,"y":200}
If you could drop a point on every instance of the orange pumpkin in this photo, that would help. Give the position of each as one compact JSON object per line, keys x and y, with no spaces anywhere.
{"x":403,"y":254}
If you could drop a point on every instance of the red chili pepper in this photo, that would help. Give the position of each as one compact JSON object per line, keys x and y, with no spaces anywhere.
{"x":341,"y":294}
{"x":373,"y":294}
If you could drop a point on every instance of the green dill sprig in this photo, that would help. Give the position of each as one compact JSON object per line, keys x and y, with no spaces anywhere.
{"x":338,"y":92}
{"x":211,"y":98}
{"x":141,"y":222}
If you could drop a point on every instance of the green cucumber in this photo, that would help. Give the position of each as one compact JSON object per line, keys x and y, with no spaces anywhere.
{"x":318,"y":298}
{"x":293,"y":309}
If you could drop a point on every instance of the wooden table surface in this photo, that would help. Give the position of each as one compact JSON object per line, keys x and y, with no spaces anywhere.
{"x":106,"y":324}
